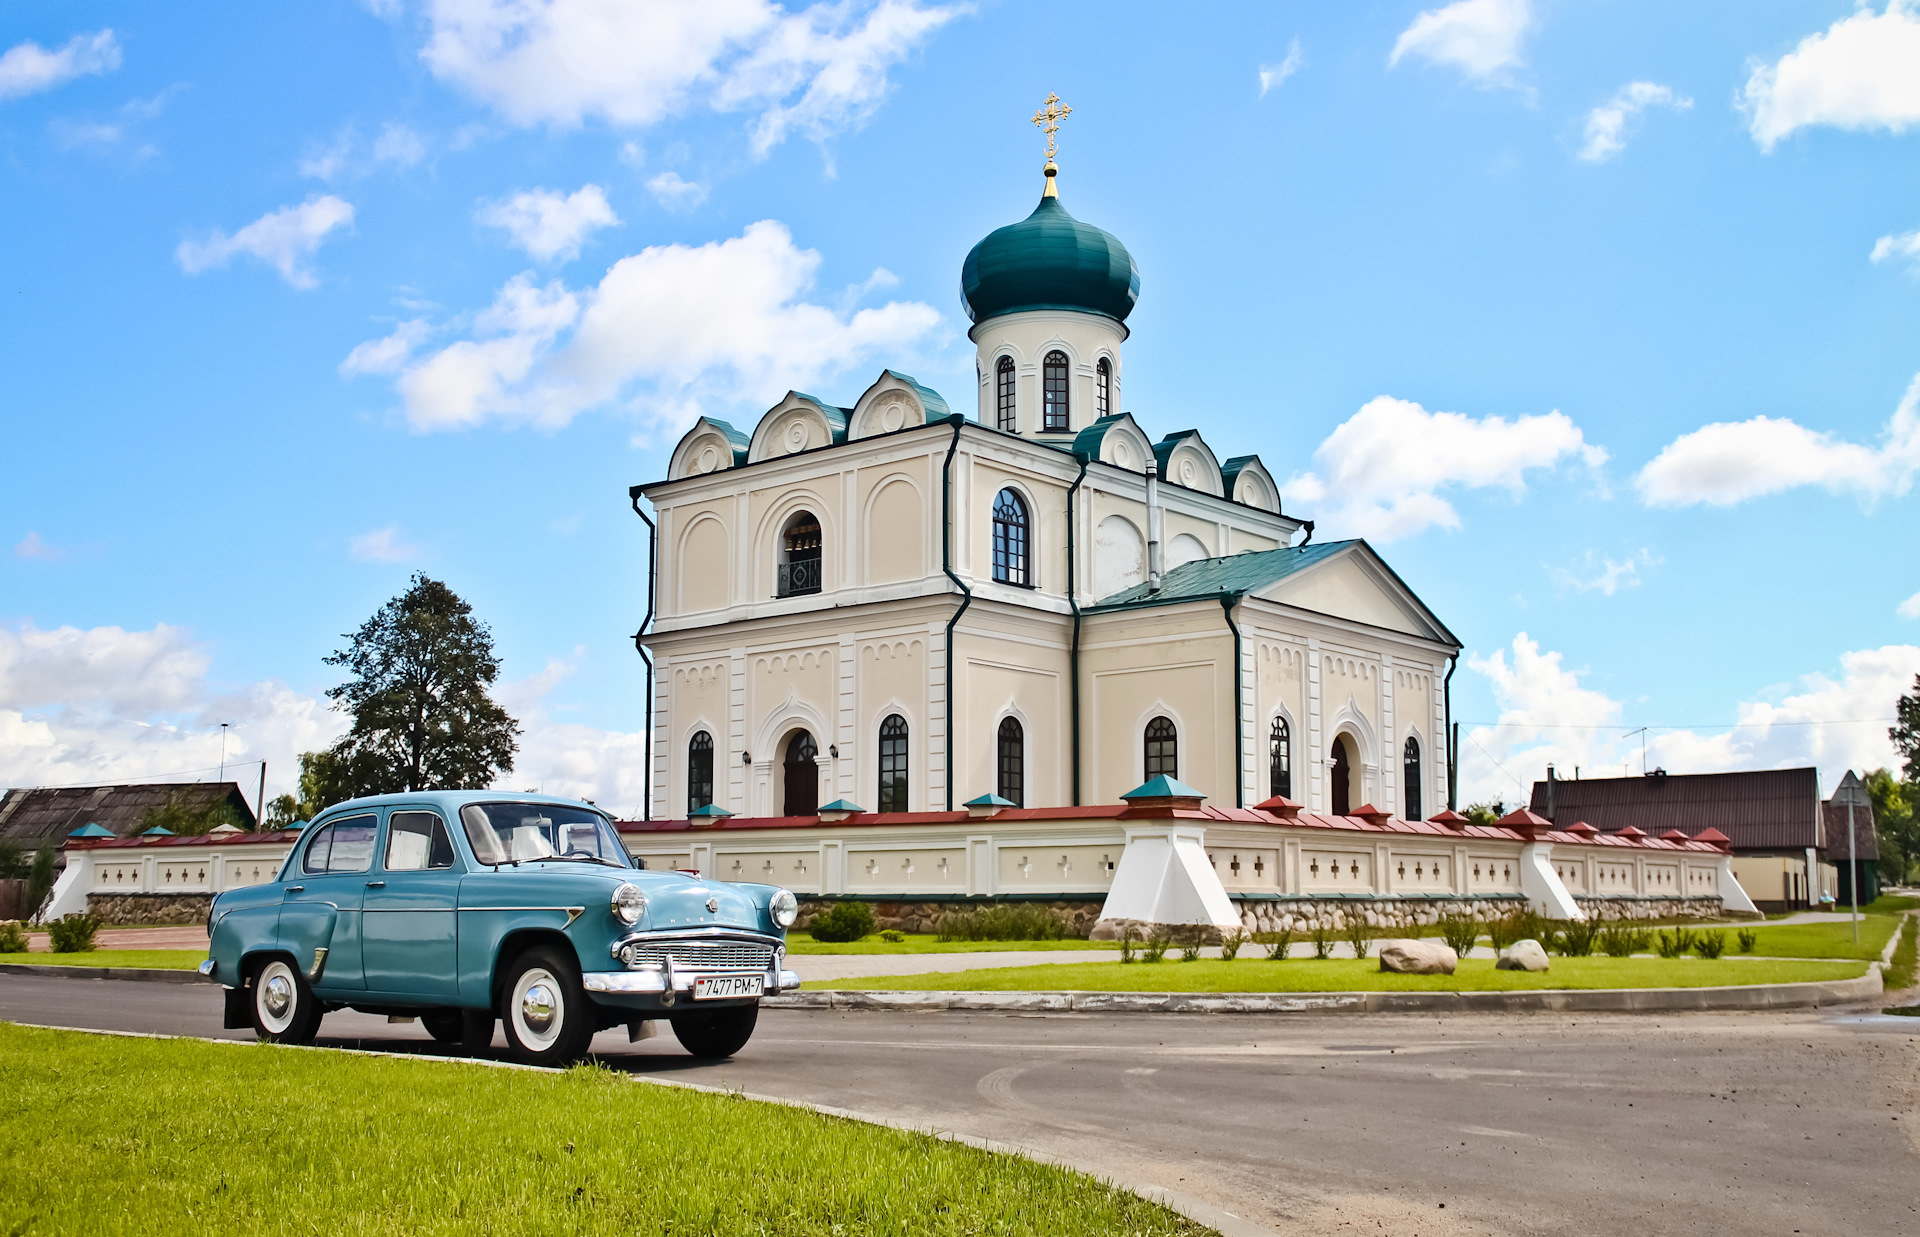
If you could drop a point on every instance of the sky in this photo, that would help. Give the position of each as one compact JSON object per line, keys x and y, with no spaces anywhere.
{"x":1598,"y":319}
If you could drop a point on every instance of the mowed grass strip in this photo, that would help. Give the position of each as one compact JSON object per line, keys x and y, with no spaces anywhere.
{"x":175,"y":1136}
{"x":1358,"y":975}
{"x":145,"y":959}
{"x":1820,"y":940}
{"x":927,"y":943}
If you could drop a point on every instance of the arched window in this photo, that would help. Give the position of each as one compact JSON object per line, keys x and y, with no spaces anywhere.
{"x":1163,"y":749}
{"x":699,"y":771}
{"x":1010,"y":540}
{"x":1280,"y":757}
{"x":1054,"y":388}
{"x":1103,"y":388}
{"x":1341,"y":800}
{"x":1011,"y":782}
{"x":799,"y":557}
{"x":1410,"y":780}
{"x":893,"y":764}
{"x":802,"y":776}
{"x":1003,"y":395}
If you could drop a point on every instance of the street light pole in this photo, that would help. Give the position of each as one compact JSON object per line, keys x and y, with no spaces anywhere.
{"x":1851,"y":792}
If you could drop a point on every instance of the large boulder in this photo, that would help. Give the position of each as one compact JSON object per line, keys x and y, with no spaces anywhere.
{"x":1418,"y":957}
{"x":1523,"y":956}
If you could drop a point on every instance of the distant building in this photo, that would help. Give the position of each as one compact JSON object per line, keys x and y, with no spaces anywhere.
{"x":1778,"y":825}
{"x":1839,"y":851}
{"x":34,"y":818}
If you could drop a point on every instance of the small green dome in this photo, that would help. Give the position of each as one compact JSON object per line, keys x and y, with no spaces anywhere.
{"x":1049,"y":260}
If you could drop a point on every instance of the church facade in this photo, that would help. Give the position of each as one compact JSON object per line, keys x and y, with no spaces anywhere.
{"x":917,"y":624}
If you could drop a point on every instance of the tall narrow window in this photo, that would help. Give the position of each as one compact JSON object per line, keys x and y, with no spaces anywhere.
{"x":801,"y":771}
{"x":1103,"y":388}
{"x":1010,"y":540}
{"x":1340,"y":800}
{"x":799,"y":557}
{"x":1011,"y":782}
{"x":699,"y":771}
{"x":1410,"y":780}
{"x":1280,"y":757}
{"x":1003,"y":395}
{"x":1054,"y":388}
{"x":1163,"y":749}
{"x":893,"y":764}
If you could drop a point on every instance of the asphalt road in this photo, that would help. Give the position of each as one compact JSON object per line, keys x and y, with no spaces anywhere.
{"x":1694,"y":1123}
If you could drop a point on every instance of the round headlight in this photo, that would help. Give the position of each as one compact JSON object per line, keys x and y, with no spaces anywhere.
{"x":784,"y":907}
{"x":629,"y":904}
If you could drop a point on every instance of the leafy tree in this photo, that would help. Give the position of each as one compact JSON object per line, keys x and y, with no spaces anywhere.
{"x":422,"y":718}
{"x":1894,"y":825}
{"x":1905,"y":732}
{"x":179,"y":815}
{"x":1486,"y":813}
{"x":39,"y":880}
{"x":13,"y":864}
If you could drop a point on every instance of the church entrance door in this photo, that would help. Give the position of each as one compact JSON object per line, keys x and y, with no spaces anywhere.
{"x":802,"y":776}
{"x":1342,"y":775}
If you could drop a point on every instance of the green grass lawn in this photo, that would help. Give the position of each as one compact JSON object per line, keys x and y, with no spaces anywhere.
{"x":1819,"y":940}
{"x":927,"y":943}
{"x":174,"y":1136}
{"x":147,"y":959}
{"x":1353,"y":975}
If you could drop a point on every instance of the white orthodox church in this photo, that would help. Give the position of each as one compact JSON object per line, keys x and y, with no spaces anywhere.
{"x":912,"y":651}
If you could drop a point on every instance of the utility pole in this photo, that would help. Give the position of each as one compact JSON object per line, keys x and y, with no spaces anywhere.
{"x":260,"y":800}
{"x":223,"y":750}
{"x":1850,"y":792}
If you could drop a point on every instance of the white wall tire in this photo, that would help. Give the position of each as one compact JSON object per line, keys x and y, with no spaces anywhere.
{"x":284,"y":1008}
{"x":544,"y":1009}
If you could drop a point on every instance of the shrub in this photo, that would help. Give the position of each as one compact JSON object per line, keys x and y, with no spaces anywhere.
{"x":1190,"y":940}
{"x":13,"y":938}
{"x":893,"y":936}
{"x":73,"y":934}
{"x":1155,"y":949}
{"x":1748,"y":939}
{"x":1126,"y":944}
{"x":1001,"y":923}
{"x":1677,"y":943}
{"x":1357,"y":932}
{"x":846,"y":921}
{"x":39,"y":880}
{"x":1275,"y":943}
{"x":1504,"y":930}
{"x":1577,"y":937}
{"x":1710,"y":945}
{"x":1459,"y":931}
{"x":1322,"y":937}
{"x":1230,"y":944}
{"x":1618,"y":938}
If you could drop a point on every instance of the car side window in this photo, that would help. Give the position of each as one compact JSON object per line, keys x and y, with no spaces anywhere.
{"x":344,"y":845}
{"x":417,"y":842}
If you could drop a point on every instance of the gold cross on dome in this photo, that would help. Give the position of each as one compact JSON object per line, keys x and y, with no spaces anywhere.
{"x":1048,"y":119}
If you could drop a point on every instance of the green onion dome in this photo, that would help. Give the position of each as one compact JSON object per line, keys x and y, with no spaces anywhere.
{"x":1049,"y":260}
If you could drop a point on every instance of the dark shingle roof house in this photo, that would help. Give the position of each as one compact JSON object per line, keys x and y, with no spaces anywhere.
{"x":33,"y":817}
{"x":1766,"y":809}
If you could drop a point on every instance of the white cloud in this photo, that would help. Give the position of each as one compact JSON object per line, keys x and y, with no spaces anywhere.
{"x":382,"y":545}
{"x":1481,"y":38}
{"x":1863,"y":72}
{"x":1548,"y":716}
{"x":1607,"y":124}
{"x":31,"y":546}
{"x":1898,"y":245}
{"x":548,"y":224}
{"x":667,"y":331}
{"x":1607,"y":576}
{"x":283,"y":239}
{"x":389,"y":353}
{"x":1380,"y":472}
{"x":570,"y":759}
{"x":676,"y":194}
{"x":1272,"y":75}
{"x":398,"y":145}
{"x":563,"y":62}
{"x":1910,"y":608}
{"x":1729,"y":462}
{"x":28,"y":68}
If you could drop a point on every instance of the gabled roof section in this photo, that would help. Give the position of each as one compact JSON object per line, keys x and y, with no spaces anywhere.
{"x":30,"y":818}
{"x":799,"y":422}
{"x":1247,"y":481}
{"x":710,"y":446}
{"x":1186,"y":460}
{"x":1759,"y":809}
{"x":930,"y":399}
{"x":1115,"y":439}
{"x":1233,"y":576}
{"x":894,"y":402}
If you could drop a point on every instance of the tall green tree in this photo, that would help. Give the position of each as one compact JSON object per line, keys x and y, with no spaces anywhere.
{"x":422,"y":719}
{"x":1905,"y":732}
{"x":1894,"y":825}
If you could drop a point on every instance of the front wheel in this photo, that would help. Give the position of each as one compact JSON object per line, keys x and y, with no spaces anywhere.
{"x":544,"y":1009}
{"x":284,"y":1008}
{"x":715,"y":1033}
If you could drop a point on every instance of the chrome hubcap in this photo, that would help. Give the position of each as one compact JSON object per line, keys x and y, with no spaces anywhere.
{"x":278,"y":996}
{"x":537,"y":1008}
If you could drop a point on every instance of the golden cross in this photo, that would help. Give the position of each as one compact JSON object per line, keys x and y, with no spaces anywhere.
{"x":1048,"y":119}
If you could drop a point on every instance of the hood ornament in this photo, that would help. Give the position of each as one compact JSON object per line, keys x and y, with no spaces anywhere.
{"x":713,"y":906}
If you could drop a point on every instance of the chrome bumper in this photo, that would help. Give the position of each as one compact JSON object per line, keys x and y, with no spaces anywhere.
{"x":644,"y":983}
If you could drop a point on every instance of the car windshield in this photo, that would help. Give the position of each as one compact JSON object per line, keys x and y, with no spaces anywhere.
{"x":519,"y":832}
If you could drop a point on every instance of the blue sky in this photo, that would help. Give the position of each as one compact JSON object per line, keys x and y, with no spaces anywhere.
{"x":1599,"y":319}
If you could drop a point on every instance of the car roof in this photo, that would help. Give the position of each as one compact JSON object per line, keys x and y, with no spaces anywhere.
{"x":452,"y":801}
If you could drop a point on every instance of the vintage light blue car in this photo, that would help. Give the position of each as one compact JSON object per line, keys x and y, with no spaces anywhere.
{"x":460,"y":907}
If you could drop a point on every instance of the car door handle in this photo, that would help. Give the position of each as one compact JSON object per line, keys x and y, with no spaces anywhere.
{"x":296,"y":888}
{"x":376,"y":884}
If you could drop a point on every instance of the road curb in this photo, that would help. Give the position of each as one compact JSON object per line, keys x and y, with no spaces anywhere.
{"x":138,"y":974}
{"x":1544,"y":1000}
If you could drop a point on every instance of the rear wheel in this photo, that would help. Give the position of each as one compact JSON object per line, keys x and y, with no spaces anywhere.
{"x":544,"y":1009}
{"x":284,"y":1008}
{"x":715,"y":1033}
{"x":444,"y":1025}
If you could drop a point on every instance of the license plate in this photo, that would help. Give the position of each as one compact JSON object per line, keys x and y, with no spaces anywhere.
{"x":718,"y":987}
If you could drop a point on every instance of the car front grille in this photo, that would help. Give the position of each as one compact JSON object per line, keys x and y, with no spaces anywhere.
{"x":699,"y":955}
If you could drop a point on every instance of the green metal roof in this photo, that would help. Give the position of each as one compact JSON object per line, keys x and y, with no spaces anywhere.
{"x":930,"y":399}
{"x":1163,"y":787}
{"x":92,"y":829}
{"x":1233,"y":576}
{"x":1086,"y":444}
{"x":1049,"y":260}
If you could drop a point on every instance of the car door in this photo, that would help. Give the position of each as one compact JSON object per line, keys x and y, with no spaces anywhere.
{"x":409,"y":915}
{"x":320,"y":909}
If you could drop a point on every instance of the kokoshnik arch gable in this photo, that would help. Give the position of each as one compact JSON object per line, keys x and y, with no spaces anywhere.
{"x":1078,"y":630}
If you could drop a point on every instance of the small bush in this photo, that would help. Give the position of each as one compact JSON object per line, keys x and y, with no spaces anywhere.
{"x":1275,"y":943}
{"x":13,"y":938}
{"x":1504,"y":930}
{"x":1126,"y":944}
{"x":1677,"y":943}
{"x":1155,"y":949}
{"x":1190,"y":939}
{"x":1322,"y":937}
{"x":1577,"y":937}
{"x":1748,"y":939}
{"x":1001,"y":923}
{"x":1357,"y":932}
{"x":1710,"y":945}
{"x":1459,"y":931}
{"x":846,"y":921}
{"x":1230,"y":944}
{"x":893,"y":936}
{"x":73,"y":934}
{"x":1618,"y":938}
